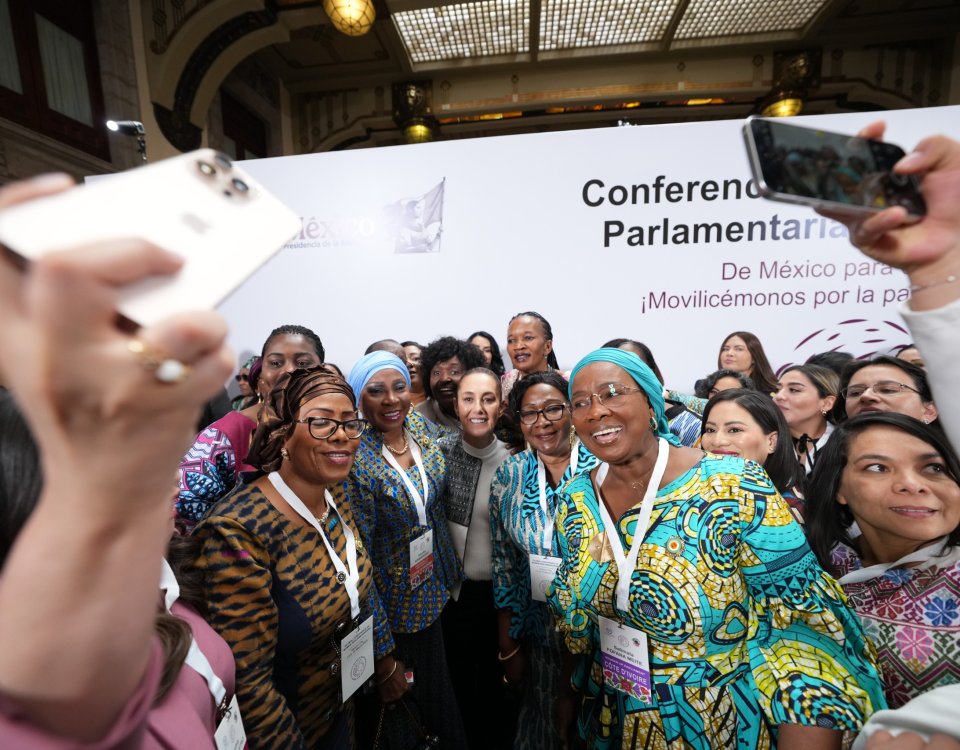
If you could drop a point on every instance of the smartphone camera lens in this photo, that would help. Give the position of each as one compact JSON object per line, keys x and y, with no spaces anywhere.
{"x":223,"y":161}
{"x":206,"y":168}
{"x":900,"y":180}
{"x":240,"y":186}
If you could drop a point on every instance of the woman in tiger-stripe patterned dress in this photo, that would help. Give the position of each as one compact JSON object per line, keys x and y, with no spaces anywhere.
{"x":273,"y":591}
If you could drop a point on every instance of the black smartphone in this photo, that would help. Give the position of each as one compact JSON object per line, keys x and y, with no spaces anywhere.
{"x":799,"y":164}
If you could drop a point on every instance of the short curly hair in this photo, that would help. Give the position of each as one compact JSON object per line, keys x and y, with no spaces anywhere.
{"x":442,"y":349}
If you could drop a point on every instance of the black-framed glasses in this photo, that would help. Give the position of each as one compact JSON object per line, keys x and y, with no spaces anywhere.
{"x":551,"y":413}
{"x":609,"y":398}
{"x":322,"y":428}
{"x":883,"y":388}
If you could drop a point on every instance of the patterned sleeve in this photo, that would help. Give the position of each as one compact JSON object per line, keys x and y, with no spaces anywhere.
{"x":693,"y":403}
{"x":810,"y":658}
{"x":511,"y":582}
{"x":241,"y":609}
{"x":571,"y":596}
{"x":364,"y":510}
{"x":382,"y":637}
{"x":207,"y":472}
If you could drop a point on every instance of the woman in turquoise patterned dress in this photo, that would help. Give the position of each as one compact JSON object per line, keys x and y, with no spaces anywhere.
{"x":750,"y":644}
{"x":530,"y":648}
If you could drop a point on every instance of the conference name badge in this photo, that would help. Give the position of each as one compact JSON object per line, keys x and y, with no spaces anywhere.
{"x":356,"y":658}
{"x":230,"y":734}
{"x":421,"y":558}
{"x":626,"y":665}
{"x":543,"y":569}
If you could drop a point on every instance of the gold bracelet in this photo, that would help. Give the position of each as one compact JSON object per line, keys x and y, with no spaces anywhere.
{"x":392,"y":673}
{"x":508,"y":657}
{"x":914,"y":288}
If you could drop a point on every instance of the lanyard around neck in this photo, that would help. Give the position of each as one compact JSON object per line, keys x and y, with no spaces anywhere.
{"x":875,"y":571}
{"x":626,"y":564}
{"x":349,"y":574}
{"x":419,"y":502}
{"x":196,"y":659}
{"x":549,"y":515}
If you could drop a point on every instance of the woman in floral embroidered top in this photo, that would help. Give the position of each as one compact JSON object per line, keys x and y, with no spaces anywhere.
{"x":897,"y":478}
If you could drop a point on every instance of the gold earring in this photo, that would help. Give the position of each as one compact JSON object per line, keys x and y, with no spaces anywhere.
{"x":283,"y":452}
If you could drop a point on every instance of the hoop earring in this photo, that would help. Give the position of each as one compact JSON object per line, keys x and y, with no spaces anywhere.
{"x":653,"y":424}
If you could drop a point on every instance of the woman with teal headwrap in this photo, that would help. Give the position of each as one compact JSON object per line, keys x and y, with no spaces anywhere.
{"x":749,"y":643}
{"x":395,"y":487}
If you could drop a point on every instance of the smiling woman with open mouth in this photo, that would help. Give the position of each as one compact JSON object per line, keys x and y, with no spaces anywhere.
{"x":686,"y":590}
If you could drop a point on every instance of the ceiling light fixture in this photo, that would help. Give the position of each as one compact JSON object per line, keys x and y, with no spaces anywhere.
{"x":794,"y":74}
{"x":350,"y":17}
{"x":412,"y":111}
{"x":132,"y":128}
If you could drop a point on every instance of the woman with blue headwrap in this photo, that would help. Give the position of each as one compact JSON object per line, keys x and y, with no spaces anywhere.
{"x":395,"y":487}
{"x":726,"y":632}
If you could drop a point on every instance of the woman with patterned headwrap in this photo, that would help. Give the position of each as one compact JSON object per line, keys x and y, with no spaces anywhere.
{"x":289,"y":582}
{"x":723,"y":630}
{"x":396,"y":488}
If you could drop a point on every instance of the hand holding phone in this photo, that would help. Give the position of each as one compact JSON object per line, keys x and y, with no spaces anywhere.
{"x":199,"y":206}
{"x":829,"y":171}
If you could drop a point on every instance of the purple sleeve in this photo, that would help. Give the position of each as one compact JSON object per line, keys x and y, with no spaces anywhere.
{"x":126,"y":733}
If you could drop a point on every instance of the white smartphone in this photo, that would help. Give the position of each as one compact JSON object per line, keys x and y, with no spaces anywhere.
{"x":199,"y":205}
{"x":845,"y":173}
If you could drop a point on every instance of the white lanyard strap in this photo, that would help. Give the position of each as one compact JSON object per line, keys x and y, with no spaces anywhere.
{"x":349,"y":574}
{"x":626,"y":565}
{"x":419,"y":502}
{"x":195,"y":657}
{"x":549,"y":517}
{"x":875,"y":571}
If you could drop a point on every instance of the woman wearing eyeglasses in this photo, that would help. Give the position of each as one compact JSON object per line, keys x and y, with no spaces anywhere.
{"x":395,"y":488}
{"x":704,"y":618}
{"x":216,"y":461}
{"x":525,"y":552}
{"x":289,"y":583}
{"x":884,"y":384}
{"x":247,"y":395}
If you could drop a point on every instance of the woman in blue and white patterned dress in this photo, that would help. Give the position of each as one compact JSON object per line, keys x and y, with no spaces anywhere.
{"x":522,"y":512}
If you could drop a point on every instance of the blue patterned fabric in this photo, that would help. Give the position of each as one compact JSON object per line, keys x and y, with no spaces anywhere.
{"x":388,"y":522}
{"x":746,"y":632}
{"x":517,"y":522}
{"x":686,"y":426}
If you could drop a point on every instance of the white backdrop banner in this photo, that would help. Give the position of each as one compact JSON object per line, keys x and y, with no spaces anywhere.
{"x":654,"y":233}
